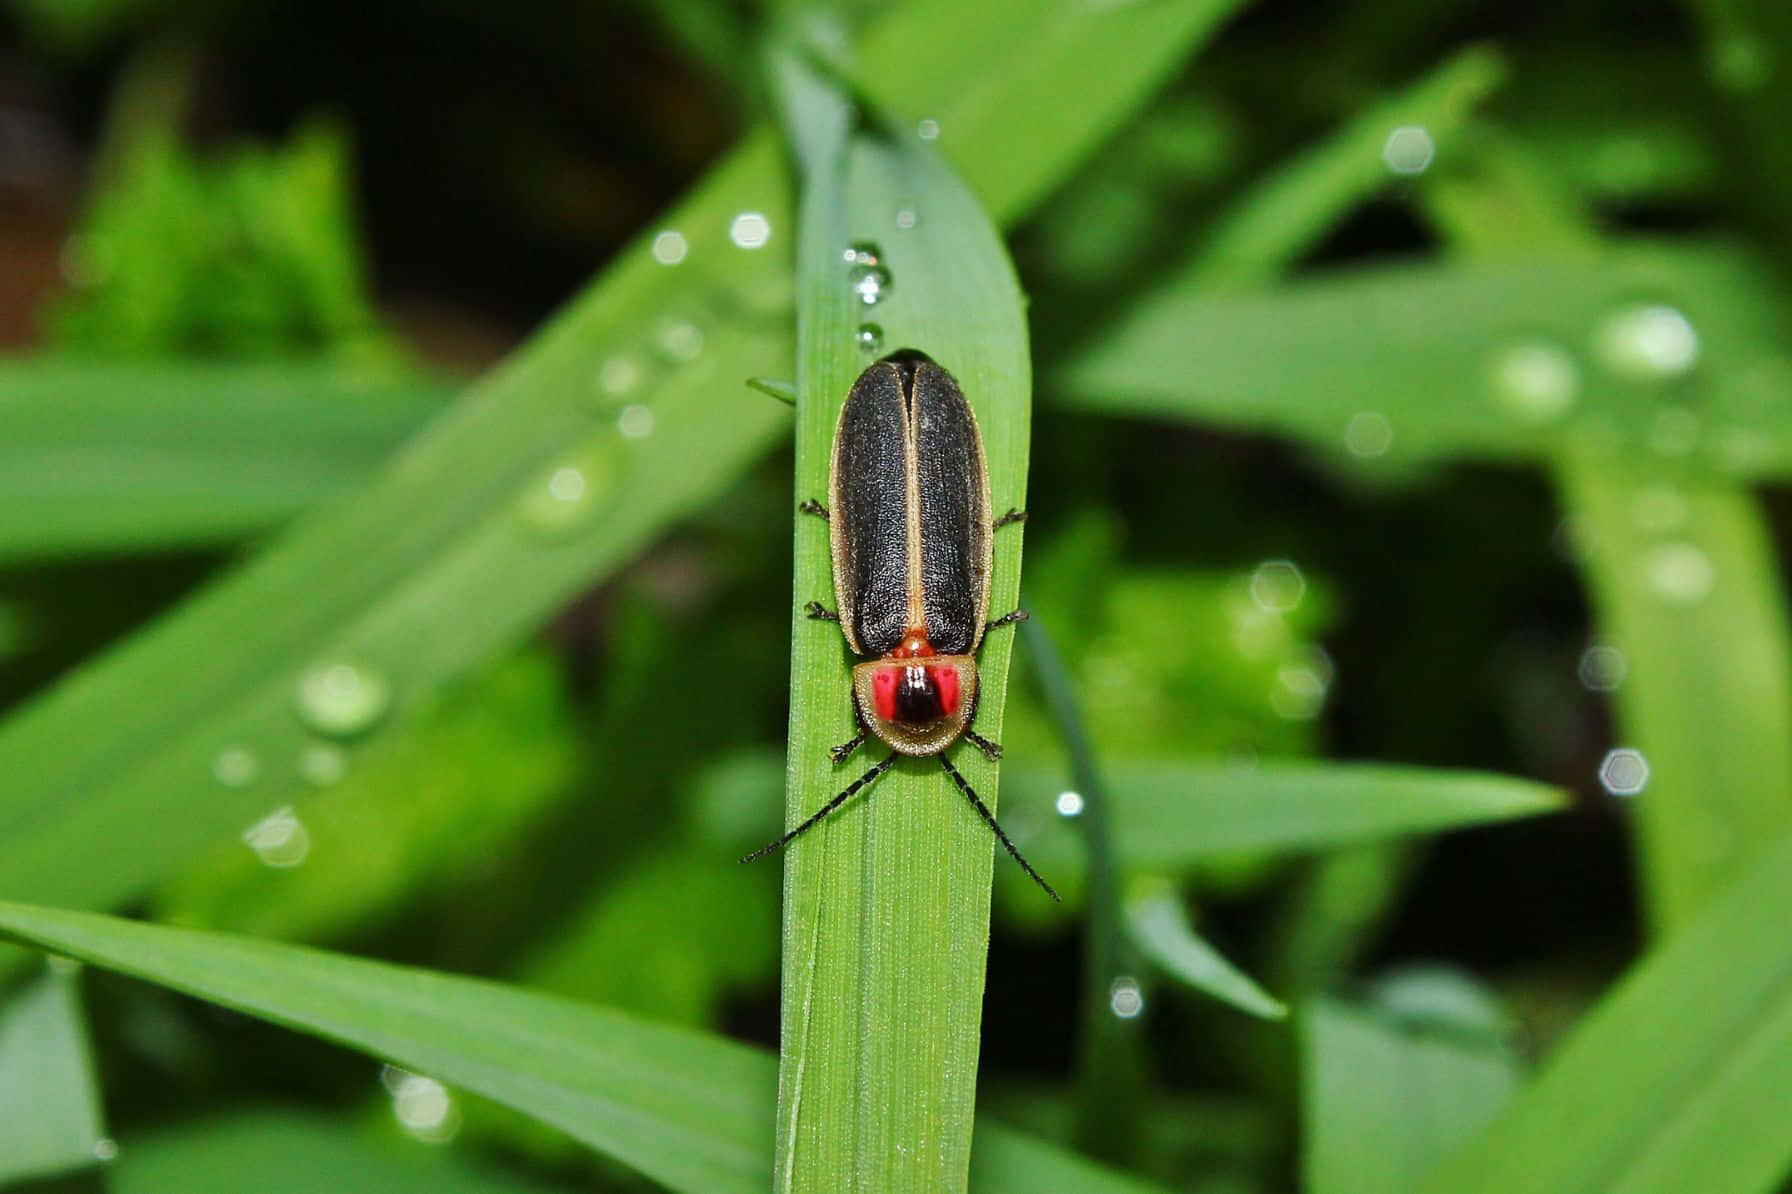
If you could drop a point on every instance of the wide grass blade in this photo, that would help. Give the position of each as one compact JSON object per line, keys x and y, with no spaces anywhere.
{"x":691,"y":1111}
{"x":49,"y":1093}
{"x":620,"y":417}
{"x":103,"y":456}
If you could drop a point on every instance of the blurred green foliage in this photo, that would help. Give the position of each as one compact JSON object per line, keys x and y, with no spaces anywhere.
{"x":1411,"y":398}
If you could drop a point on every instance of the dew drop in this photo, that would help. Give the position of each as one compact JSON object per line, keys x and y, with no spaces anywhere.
{"x":1277,"y":586}
{"x":1408,"y":150}
{"x":1680,"y":573}
{"x":907,"y":218}
{"x":1651,"y":343}
{"x":564,"y":497}
{"x":869,"y":337}
{"x":423,"y":1106}
{"x":1535,"y":382}
{"x":750,"y":230}
{"x":1069,"y":804}
{"x":236,"y":767}
{"x":635,"y":421}
{"x":927,"y":129}
{"x":1125,"y":999}
{"x":322,"y":764}
{"x":1624,"y":771}
{"x":340,"y":699}
{"x":105,"y":1149}
{"x":669,"y":247}
{"x":279,"y":839}
{"x":618,"y":375}
{"x":1298,"y":693}
{"x":680,"y":341}
{"x":863,"y":253}
{"x":870,"y":282}
{"x":1368,"y":434}
{"x":1602,"y":667}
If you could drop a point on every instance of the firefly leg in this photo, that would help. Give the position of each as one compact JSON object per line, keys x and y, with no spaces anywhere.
{"x":814,"y":610}
{"x":844,"y":751}
{"x":829,"y":807}
{"x":989,"y":820}
{"x":1008,"y":619}
{"x":1012,"y":516}
{"x":814,"y":507}
{"x":991,"y":750}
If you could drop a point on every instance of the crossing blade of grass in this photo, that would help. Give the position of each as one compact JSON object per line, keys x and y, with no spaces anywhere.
{"x":1159,"y":925}
{"x":1504,"y":360}
{"x":1682,"y":571}
{"x":1678,"y":1080}
{"x":886,"y":919}
{"x":104,"y":456}
{"x":1383,"y":1102}
{"x":1168,"y":816}
{"x":526,"y":491}
{"x":49,"y":1093}
{"x":692,"y":1112}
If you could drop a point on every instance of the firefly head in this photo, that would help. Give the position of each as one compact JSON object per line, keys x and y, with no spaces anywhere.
{"x":918,"y":705}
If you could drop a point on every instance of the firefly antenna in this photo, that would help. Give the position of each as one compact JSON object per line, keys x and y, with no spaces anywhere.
{"x":837,"y":801}
{"x":989,"y":820}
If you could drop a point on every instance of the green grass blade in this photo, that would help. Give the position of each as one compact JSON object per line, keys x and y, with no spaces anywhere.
{"x":102,"y":456}
{"x":1295,"y":207}
{"x":886,"y":918}
{"x":1514,"y":360}
{"x":691,"y":1111}
{"x":1679,"y":1080}
{"x":49,"y":1093}
{"x":1382,"y":1103}
{"x":1168,"y":816}
{"x":468,"y":540}
{"x":284,"y":1152}
{"x":1160,"y":927}
{"x":1686,"y":586}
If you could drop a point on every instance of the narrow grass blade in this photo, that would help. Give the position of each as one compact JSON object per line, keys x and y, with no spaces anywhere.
{"x":1511,"y":360}
{"x":49,"y":1093}
{"x":1160,"y":927}
{"x":1382,"y":1103}
{"x":1296,"y":206}
{"x":1170,"y":815}
{"x":691,"y":1111}
{"x":617,"y":419}
{"x":285,"y":1152}
{"x":886,"y":918}
{"x":1679,"y":1080}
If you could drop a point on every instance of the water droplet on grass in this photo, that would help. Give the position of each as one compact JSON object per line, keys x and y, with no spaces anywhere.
{"x":340,"y":699}
{"x":869,"y":337}
{"x":871,"y":283}
{"x":1624,"y":771}
{"x":1368,"y":434}
{"x":1408,"y":150}
{"x":750,"y":230}
{"x":236,"y":767}
{"x":670,"y":247}
{"x":279,"y":839}
{"x":1535,"y":382}
{"x":1680,"y":573}
{"x":1652,"y":343}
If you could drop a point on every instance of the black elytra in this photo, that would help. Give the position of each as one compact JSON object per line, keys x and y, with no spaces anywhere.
{"x":912,"y":540}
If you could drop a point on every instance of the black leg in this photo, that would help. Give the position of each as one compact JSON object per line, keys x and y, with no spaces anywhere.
{"x":814,"y":610}
{"x":814,"y":507}
{"x":844,"y":751}
{"x":1012,"y":516}
{"x":991,"y":750}
{"x":989,"y":820}
{"x":829,"y":807}
{"x":1008,"y":619}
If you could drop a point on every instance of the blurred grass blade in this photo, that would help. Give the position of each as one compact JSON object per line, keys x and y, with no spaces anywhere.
{"x":285,"y":1152}
{"x":1683,"y":574}
{"x":527,"y":491}
{"x":1160,"y":927}
{"x":1302,"y":201}
{"x":1686,"y":587}
{"x":886,"y":921}
{"x":1381,"y":1103}
{"x":49,"y":1093}
{"x":103,"y":456}
{"x":1168,"y":816}
{"x":1515,"y":360}
{"x":1679,"y":1080}
{"x":693,"y":1112}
